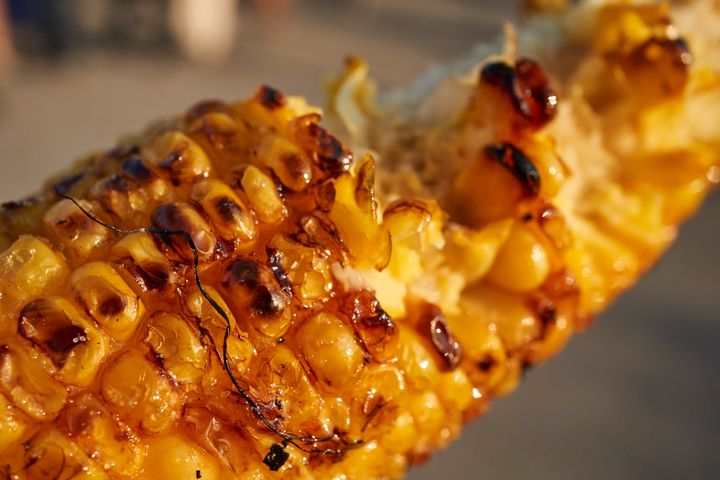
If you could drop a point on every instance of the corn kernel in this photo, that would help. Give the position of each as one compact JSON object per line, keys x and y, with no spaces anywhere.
{"x":182,"y":158}
{"x":108,"y":299}
{"x":229,"y":215}
{"x":522,"y":264}
{"x":182,"y":352}
{"x":288,"y":161}
{"x":30,"y":267}
{"x":263,"y":196}
{"x":12,"y":424}
{"x":140,"y":392}
{"x":173,"y":458}
{"x":330,"y":349}
{"x":76,"y":232}
{"x":73,"y":344}
{"x":28,"y":386}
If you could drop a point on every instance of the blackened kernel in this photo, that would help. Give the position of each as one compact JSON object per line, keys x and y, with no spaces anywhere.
{"x":330,"y":155}
{"x":49,"y":328}
{"x":65,"y":185}
{"x":135,"y":168}
{"x":255,"y":288}
{"x":527,"y":87}
{"x":515,"y":161}
{"x":25,"y":202}
{"x":270,"y":97}
{"x":276,"y":457}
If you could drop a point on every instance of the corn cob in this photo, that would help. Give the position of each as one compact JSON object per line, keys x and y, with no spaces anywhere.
{"x":228,"y":295}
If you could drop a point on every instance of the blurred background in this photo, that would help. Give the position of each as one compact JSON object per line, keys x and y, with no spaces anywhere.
{"x":636,"y":397}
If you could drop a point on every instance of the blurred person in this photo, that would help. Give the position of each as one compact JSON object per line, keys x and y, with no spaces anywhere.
{"x":40,"y":26}
{"x":7,"y":51}
{"x":204,"y":29}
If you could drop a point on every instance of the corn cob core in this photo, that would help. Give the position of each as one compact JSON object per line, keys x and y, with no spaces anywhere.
{"x":362,"y":333}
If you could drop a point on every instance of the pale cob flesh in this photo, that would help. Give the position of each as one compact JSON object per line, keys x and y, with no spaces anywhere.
{"x":371,"y":327}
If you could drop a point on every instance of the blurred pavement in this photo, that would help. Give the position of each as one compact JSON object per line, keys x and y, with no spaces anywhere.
{"x":636,"y":397}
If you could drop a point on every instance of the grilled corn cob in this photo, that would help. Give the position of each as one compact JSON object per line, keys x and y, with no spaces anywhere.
{"x":228,"y":294}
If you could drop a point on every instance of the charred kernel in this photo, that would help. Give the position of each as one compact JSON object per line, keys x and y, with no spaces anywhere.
{"x":486,"y":363}
{"x":50,"y":328}
{"x":25,"y":202}
{"x":287,"y":160}
{"x":66,"y":184}
{"x":276,"y":457}
{"x":74,"y":229}
{"x":365,"y":188}
{"x":135,"y":168}
{"x":229,"y":215}
{"x":329,"y":154}
{"x":181,"y":158}
{"x":147,"y":266}
{"x":432,"y":325}
{"x":270,"y":97}
{"x":107,"y":298}
{"x":71,"y":342}
{"x":515,"y":161}
{"x":527,"y":87}
{"x":181,"y":217}
{"x":255,"y":294}
{"x":325,"y":195}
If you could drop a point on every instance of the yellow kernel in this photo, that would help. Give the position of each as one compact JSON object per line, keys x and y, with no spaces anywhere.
{"x":30,"y":267}
{"x":182,"y":352}
{"x":12,"y":425}
{"x":455,"y":390}
{"x":140,"y":392}
{"x":173,"y":458}
{"x":25,"y":382}
{"x":331,"y":349}
{"x":77,"y":232}
{"x":522,"y":264}
{"x":263,"y":196}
